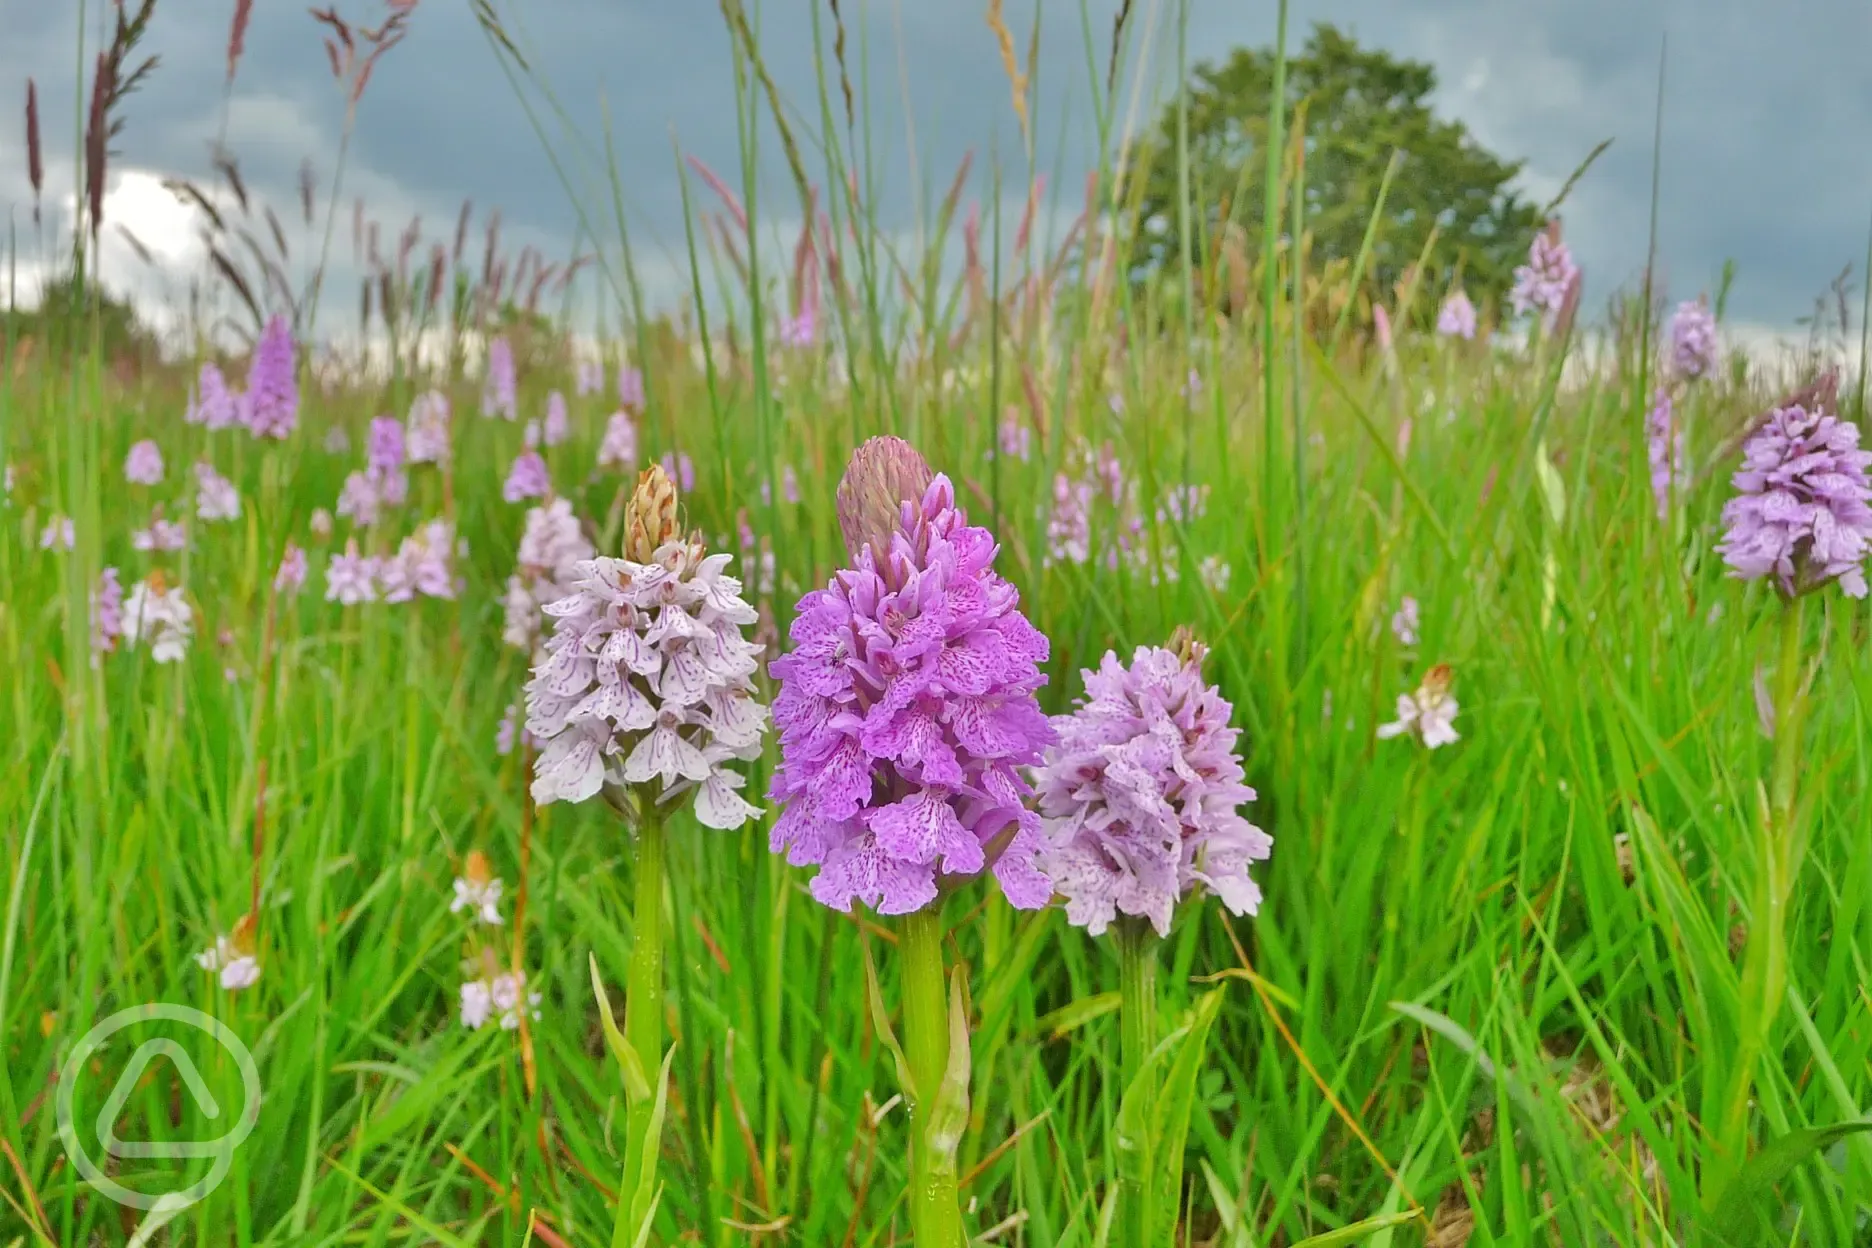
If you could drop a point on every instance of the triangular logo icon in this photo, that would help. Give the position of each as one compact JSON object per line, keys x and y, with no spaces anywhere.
{"x":191,"y":1078}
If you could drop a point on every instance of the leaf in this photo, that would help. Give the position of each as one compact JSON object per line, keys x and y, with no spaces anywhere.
{"x":646,"y":1193}
{"x":1357,"y":1230}
{"x":1076,"y":1014}
{"x":1170,"y":1125}
{"x":1453,"y":1031}
{"x":1552,"y":488}
{"x":1746,"y":1201}
{"x":636,"y":1087}
{"x":880,"y":1018}
{"x":949,"y":1115}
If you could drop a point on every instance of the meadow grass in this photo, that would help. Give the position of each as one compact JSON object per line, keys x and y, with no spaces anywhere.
{"x":1495,"y":992}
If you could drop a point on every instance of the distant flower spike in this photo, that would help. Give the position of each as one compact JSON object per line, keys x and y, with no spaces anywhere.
{"x":1802,"y":515}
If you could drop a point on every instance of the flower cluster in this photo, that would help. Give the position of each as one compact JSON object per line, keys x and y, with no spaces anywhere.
{"x":159,"y":616}
{"x":495,"y":995}
{"x":1457,"y":317}
{"x":1547,"y":280}
{"x":290,"y":577}
{"x":528,"y":478}
{"x":1693,"y":340}
{"x":907,"y":708}
{"x":550,"y":547}
{"x":106,"y":613}
{"x":647,"y":677}
{"x":212,"y":404}
{"x":1664,"y":448}
{"x":351,"y":578}
{"x":426,"y":436}
{"x":271,"y":404}
{"x":59,"y":534}
{"x":161,"y":535}
{"x":498,"y":397}
{"x":1405,"y":621}
{"x":144,"y":464}
{"x":1802,"y":515}
{"x":619,"y":447}
{"x":232,"y":957}
{"x":478,"y":890}
{"x":422,"y":565}
{"x":1142,"y":794}
{"x":215,"y":496}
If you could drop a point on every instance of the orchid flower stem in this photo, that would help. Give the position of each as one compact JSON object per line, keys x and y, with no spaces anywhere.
{"x":935,"y":1206}
{"x":1764,"y":966}
{"x":643,"y":1009}
{"x":1137,"y":1027}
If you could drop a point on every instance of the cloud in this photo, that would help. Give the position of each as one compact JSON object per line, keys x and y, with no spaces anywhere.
{"x":1756,"y":114}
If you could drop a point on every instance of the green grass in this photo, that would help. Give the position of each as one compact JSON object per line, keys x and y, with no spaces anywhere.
{"x":1499,"y":981}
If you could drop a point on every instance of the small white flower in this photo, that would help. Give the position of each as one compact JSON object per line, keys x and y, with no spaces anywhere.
{"x":215,"y":496}
{"x":477,"y":1004}
{"x":1405,"y":621}
{"x":238,"y":970}
{"x":160,"y":617}
{"x":481,"y":899}
{"x":1428,"y":714}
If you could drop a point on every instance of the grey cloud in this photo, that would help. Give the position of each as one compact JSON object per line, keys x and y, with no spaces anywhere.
{"x":1763,"y":108}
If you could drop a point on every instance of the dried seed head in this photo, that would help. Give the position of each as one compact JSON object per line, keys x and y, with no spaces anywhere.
{"x":650,"y":517}
{"x":477,"y":870}
{"x":1186,"y":647}
{"x":1437,"y":681}
{"x":883,"y":474}
{"x":244,"y":934}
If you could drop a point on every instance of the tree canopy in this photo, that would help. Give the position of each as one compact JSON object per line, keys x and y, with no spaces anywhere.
{"x":1359,"y":105}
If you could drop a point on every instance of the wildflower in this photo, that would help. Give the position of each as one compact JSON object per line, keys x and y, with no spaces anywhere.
{"x":58,"y":534}
{"x":160,"y":535}
{"x":358,"y":500}
{"x":159,"y":615}
{"x":232,"y":957}
{"x":1214,"y":573}
{"x":1428,"y":714}
{"x":426,"y":436}
{"x":321,"y":524}
{"x":1801,"y":514}
{"x":495,"y":995}
{"x":1069,"y":525}
{"x":906,"y":708}
{"x":291,"y":576}
{"x":530,"y":435}
{"x":211,"y":404}
{"x":1192,"y":384}
{"x":271,"y":406}
{"x":801,"y":330}
{"x":1184,"y":503}
{"x":1693,"y":340}
{"x":1141,"y":796}
{"x":680,"y":468}
{"x":630,"y":388}
{"x":1014,"y":438}
{"x":551,"y":546}
{"x":106,"y":613}
{"x":477,"y":889}
{"x":619,"y":448}
{"x":337,"y":441}
{"x":1664,"y":447}
{"x":386,"y":447}
{"x":527,"y":478}
{"x":557,"y":426}
{"x":497,"y":388}
{"x":1546,"y":281}
{"x":510,"y":728}
{"x":1457,"y":317}
{"x":351,"y":578}
{"x":647,"y":675}
{"x":789,"y":485}
{"x":144,"y":464}
{"x":421,"y":565}
{"x":590,"y":377}
{"x":1405,"y":621}
{"x":1109,"y":472}
{"x":215,"y":496}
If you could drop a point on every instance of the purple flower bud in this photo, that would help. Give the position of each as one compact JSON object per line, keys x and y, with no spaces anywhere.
{"x":1546,"y":282}
{"x":1457,"y":318}
{"x":884,"y":474}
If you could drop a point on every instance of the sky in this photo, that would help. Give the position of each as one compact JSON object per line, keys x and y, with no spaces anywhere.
{"x":1763,"y":119}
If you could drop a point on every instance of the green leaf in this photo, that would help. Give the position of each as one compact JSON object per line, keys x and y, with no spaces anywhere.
{"x":1076,"y":1014}
{"x":1356,"y":1231}
{"x":1553,"y":489}
{"x":949,"y":1115}
{"x":880,"y":1019}
{"x":636,"y":1086}
{"x":1453,"y":1032}
{"x":1171,"y":1119}
{"x":645,"y":1192}
{"x":1748,"y":1200}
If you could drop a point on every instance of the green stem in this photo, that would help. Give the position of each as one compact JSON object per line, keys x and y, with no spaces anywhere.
{"x":935,"y":1207}
{"x":1764,"y":967}
{"x":643,"y":1006}
{"x":1137,"y":1030}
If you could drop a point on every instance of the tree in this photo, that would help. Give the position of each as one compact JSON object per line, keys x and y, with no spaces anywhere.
{"x":1360,"y":106}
